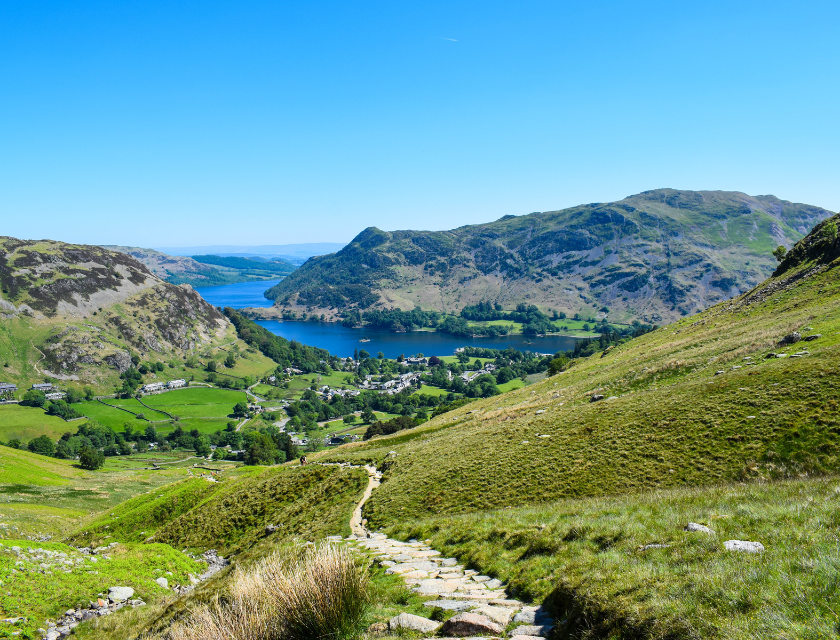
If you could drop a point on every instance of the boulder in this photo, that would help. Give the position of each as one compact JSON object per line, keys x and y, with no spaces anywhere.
{"x":744,"y":546}
{"x":378,"y":629}
{"x":693,"y":526}
{"x":470,"y":624}
{"x":816,"y":336}
{"x":410,"y":622}
{"x":596,"y":397}
{"x":118,"y":594}
{"x":791,"y":338}
{"x":163,"y":582}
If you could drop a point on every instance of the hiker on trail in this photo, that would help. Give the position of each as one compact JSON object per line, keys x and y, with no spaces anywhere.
{"x":303,"y":460}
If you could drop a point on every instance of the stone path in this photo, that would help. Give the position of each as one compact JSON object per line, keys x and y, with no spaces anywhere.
{"x":482,"y":605}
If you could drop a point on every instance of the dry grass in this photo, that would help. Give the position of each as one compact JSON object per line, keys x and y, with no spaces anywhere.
{"x":320,"y":593}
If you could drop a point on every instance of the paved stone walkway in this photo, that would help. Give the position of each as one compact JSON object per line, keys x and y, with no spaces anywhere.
{"x":482,"y":605}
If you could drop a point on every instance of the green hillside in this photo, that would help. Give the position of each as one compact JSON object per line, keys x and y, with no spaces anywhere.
{"x":656,"y":256}
{"x":231,"y":516}
{"x":78,"y":313}
{"x":702,"y":401}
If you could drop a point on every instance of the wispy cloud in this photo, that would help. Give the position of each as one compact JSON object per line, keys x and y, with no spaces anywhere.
{"x":450,"y":39}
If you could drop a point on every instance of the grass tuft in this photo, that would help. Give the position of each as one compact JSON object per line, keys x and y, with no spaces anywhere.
{"x":321,"y":593}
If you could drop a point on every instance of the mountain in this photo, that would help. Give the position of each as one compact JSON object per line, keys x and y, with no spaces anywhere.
{"x":206,"y":270}
{"x":747,"y":390}
{"x":79,"y":312}
{"x":656,"y":256}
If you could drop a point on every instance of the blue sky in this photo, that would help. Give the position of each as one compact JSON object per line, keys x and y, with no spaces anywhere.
{"x":189,"y":123}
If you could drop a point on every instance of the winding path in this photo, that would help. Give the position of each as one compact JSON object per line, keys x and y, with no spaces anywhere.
{"x":483,"y":607}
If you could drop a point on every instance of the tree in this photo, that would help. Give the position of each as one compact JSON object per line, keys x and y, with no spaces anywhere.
{"x":219,"y":453}
{"x":557,"y":365}
{"x":261,"y":449}
{"x":779,"y":253}
{"x":349,"y":418}
{"x":505,"y":374}
{"x":230,"y":361}
{"x":90,"y":459}
{"x":368,"y":415}
{"x":34,"y":398}
{"x":42,"y":445}
{"x":14,"y":443}
{"x":240,"y":409}
{"x":211,"y":366}
{"x":434,"y":361}
{"x":363,"y":355}
{"x":202,"y":446}
{"x":150,"y":434}
{"x":125,"y":448}
{"x":89,"y":394}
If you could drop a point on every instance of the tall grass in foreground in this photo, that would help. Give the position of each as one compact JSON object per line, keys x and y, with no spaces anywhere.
{"x":322,"y":592}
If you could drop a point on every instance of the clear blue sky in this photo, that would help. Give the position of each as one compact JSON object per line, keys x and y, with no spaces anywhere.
{"x":188,"y":123}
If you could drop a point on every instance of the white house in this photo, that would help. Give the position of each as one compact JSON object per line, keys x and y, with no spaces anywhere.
{"x":176,"y":384}
{"x":152,"y":387}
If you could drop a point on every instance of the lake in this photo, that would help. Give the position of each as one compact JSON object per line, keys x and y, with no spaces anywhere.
{"x":342,"y":341}
{"x":240,"y":295}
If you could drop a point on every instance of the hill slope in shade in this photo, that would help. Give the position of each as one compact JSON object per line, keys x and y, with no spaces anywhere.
{"x":656,"y":256}
{"x":712,"y":398}
{"x":78,"y":312}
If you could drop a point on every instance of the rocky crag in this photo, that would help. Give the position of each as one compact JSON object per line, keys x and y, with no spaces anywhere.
{"x":79,"y":312}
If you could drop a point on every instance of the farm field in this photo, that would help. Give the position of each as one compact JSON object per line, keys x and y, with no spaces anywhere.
{"x":429,"y":390}
{"x":25,"y":423}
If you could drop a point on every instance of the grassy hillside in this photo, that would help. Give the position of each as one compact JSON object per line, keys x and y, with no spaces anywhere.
{"x":655,"y":256}
{"x":591,"y":562}
{"x":76,"y":314}
{"x":307,"y":502}
{"x":45,"y":496}
{"x":696,"y":403}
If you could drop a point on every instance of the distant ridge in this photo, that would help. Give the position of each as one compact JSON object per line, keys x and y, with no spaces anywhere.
{"x":655,"y":256}
{"x":302,"y":250}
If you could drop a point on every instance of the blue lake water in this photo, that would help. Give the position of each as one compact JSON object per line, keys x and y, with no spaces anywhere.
{"x":239,"y":296}
{"x":341,"y":341}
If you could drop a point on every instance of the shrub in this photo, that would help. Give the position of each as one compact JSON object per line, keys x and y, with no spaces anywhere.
{"x":323,"y":593}
{"x":42,"y":445}
{"x":34,"y":398}
{"x":91,"y":459}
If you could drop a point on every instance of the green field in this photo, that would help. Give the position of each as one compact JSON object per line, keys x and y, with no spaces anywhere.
{"x":511,"y":385}
{"x":25,"y":423}
{"x":429,"y":390}
{"x":202,"y":408}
